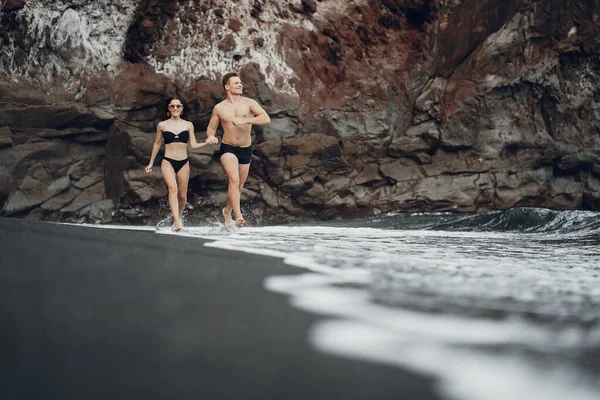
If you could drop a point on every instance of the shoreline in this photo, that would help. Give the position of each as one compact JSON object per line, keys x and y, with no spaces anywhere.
{"x":103,"y":312}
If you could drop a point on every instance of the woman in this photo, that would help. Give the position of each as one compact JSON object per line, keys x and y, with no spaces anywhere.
{"x":175,"y":166}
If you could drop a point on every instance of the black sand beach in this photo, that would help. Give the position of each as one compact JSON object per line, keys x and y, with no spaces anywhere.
{"x":91,"y":313}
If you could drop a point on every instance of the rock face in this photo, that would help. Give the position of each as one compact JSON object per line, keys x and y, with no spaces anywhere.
{"x":376,"y":106}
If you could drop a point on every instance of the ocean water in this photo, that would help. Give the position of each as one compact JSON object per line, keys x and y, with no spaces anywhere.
{"x":501,"y":305}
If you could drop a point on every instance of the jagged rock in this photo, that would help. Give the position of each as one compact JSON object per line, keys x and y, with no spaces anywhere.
{"x":200,"y":160}
{"x":339,"y":185}
{"x":92,"y":137}
{"x":77,"y":170}
{"x":513,"y":187}
{"x":576,"y":162}
{"x":145,"y":186}
{"x":278,"y":128}
{"x":89,"y":180}
{"x":368,"y":175}
{"x":314,"y":198}
{"x":419,"y":138}
{"x":62,"y":200}
{"x":235,"y":24}
{"x":296,"y":185}
{"x":400,"y":171}
{"x":269,"y":196}
{"x":340,"y":206}
{"x":480,"y":105}
{"x":566,"y":193}
{"x":269,"y":148}
{"x":13,"y":5}
{"x":54,"y":117}
{"x":102,"y":211}
{"x":443,"y":162}
{"x":81,"y":135}
{"x":5,"y":137}
{"x":313,"y":144}
{"x":591,"y":193}
{"x":37,"y":187}
{"x":89,"y":196}
{"x":227,"y":44}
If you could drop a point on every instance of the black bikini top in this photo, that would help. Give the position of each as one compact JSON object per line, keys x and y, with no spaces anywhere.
{"x":181,"y":137}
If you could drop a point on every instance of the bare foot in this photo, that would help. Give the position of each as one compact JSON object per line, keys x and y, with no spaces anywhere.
{"x":239,"y":222}
{"x":227,"y":217}
{"x":176,"y":228}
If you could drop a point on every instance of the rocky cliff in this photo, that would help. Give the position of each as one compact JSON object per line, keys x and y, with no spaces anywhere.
{"x":405,"y":105}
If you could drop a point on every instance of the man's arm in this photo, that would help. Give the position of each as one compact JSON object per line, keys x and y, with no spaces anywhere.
{"x":211,"y":129}
{"x":260,"y":116}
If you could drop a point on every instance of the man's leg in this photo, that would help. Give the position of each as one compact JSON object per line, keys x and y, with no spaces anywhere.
{"x":168,"y":174}
{"x":230,"y":165}
{"x":243,"y":171}
{"x":183,"y":178}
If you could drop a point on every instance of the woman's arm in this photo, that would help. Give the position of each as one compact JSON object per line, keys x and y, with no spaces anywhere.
{"x":155,"y":147}
{"x":193,"y":143}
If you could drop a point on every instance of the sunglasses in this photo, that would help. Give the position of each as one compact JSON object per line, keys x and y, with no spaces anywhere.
{"x":175,"y":106}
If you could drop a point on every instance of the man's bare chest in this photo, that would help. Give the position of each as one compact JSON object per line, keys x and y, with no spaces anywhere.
{"x":229,"y":113}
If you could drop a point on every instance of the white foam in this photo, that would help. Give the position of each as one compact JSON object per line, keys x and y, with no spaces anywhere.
{"x":446,"y":347}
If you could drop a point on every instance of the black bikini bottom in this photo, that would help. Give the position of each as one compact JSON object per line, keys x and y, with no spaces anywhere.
{"x":176,"y":164}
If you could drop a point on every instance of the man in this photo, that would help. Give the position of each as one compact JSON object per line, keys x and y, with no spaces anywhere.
{"x":236,"y":114}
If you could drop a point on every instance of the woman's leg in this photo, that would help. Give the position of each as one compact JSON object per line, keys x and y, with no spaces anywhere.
{"x":183,"y":178}
{"x":171,"y":180}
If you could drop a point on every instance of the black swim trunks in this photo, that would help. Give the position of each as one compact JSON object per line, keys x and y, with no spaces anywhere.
{"x":243,"y":154}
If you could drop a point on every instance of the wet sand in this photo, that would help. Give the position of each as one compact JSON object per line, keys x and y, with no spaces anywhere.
{"x":89,"y":313}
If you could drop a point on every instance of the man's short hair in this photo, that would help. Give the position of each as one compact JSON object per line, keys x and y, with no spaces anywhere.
{"x":228,"y":76}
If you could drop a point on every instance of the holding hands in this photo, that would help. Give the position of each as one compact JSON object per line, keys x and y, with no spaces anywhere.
{"x":211,"y":140}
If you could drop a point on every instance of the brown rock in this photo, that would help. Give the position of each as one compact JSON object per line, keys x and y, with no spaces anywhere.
{"x":269,"y":196}
{"x":339,"y":206}
{"x":13,"y":5}
{"x":400,"y":171}
{"x":314,"y":144}
{"x":37,"y":187}
{"x":315,"y":197}
{"x":339,"y":185}
{"x":200,"y":160}
{"x":452,"y":163}
{"x":54,"y":116}
{"x":235,"y":24}
{"x":418,"y":138}
{"x":61,"y":200}
{"x":269,"y":148}
{"x":279,"y":127}
{"x":303,"y":6}
{"x":368,"y":175}
{"x":102,"y":211}
{"x":296,"y":185}
{"x":145,"y":186}
{"x":227,"y":44}
{"x":89,"y":180}
{"x":5,"y":137}
{"x":89,"y":196}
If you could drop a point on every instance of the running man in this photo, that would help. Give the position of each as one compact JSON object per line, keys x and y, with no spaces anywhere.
{"x":236,"y":114}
